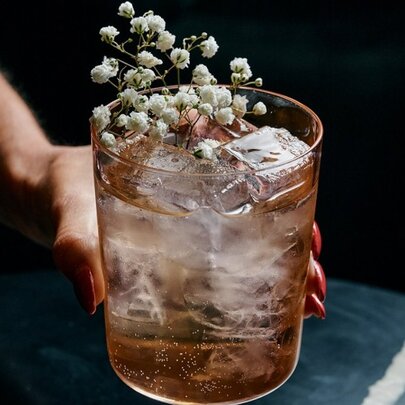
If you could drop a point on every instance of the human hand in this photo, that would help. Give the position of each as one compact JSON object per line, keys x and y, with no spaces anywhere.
{"x":316,"y":281}
{"x":65,"y":194}
{"x":48,"y":195}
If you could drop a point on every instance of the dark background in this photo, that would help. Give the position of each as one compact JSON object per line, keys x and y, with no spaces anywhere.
{"x":345,"y":60}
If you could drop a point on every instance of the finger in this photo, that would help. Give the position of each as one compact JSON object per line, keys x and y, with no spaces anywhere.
{"x":315,"y":290}
{"x":76,"y":254}
{"x":313,"y":306}
{"x":316,"y":241}
{"x":319,"y":281}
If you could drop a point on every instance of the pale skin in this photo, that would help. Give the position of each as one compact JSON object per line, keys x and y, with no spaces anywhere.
{"x":47,"y":194}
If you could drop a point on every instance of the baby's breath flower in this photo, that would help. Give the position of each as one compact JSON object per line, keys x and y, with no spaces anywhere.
{"x":209,"y":47}
{"x":148,"y":75}
{"x":158,"y":130}
{"x":126,"y":10}
{"x":182,"y":100}
{"x":205,"y":109}
{"x":208,"y":95}
{"x":108,"y":34}
{"x":108,"y":139}
{"x":102,"y":73}
{"x":187,"y":89}
{"x":225,"y":116}
{"x":133,"y":78}
{"x":194,"y":100}
{"x":224,"y":97}
{"x":153,"y":114}
{"x":180,"y":58}
{"x":122,"y":120}
{"x":207,"y":149}
{"x":156,"y":23}
{"x":239,"y":105}
{"x":201,"y":75}
{"x":165,"y":41}
{"x":259,"y":108}
{"x":128,"y":97}
{"x":157,"y":103}
{"x":236,"y":78}
{"x":138,"y":122}
{"x":241,"y":65}
{"x":139,"y":25}
{"x":170,"y":116}
{"x":101,"y":117}
{"x":142,"y":104}
{"x":147,"y":59}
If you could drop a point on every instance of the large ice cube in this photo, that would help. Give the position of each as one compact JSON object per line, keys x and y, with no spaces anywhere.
{"x":266,"y":147}
{"x":277,"y":171}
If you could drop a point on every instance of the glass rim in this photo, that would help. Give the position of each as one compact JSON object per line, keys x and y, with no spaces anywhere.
{"x":96,"y":140}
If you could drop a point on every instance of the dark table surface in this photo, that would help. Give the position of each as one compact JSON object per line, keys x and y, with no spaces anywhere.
{"x":51,"y":352}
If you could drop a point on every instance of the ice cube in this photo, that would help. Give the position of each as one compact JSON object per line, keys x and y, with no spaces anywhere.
{"x":266,"y":147}
{"x":208,"y":128}
{"x":277,"y":173}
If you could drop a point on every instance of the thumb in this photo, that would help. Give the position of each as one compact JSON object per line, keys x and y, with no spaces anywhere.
{"x":76,"y":254}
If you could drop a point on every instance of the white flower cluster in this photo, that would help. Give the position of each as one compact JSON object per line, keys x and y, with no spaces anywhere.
{"x":143,"y":109}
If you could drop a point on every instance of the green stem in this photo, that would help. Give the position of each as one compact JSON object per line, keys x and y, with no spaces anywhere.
{"x":178,"y":77}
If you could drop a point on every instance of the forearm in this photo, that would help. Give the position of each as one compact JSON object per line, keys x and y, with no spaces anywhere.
{"x":24,"y":154}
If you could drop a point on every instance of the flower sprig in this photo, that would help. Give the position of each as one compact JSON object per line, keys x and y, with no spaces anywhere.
{"x":150,"y":56}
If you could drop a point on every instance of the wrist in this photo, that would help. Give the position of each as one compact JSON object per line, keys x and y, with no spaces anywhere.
{"x":25,"y":155}
{"x":26,"y":199}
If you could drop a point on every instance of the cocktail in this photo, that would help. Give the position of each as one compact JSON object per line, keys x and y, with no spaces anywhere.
{"x":205,"y":233}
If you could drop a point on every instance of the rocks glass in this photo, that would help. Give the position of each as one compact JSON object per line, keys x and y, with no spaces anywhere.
{"x":205,"y":264}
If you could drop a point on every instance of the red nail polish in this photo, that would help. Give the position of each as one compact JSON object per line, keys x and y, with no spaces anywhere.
{"x":83,"y":283}
{"x":316,"y":241}
{"x":320,"y":283}
{"x":313,"y":306}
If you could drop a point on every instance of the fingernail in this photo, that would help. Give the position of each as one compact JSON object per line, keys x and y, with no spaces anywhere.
{"x":313,"y":306}
{"x":83,"y":284}
{"x":320,"y":284}
{"x":316,"y":241}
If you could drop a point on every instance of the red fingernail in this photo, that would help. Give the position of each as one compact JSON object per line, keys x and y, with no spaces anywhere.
{"x":313,"y":306}
{"x":316,"y":241}
{"x":84,"y":289}
{"x":320,"y":283}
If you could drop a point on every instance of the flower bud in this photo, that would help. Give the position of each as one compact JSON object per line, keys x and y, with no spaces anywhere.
{"x":235,"y":78}
{"x":259,"y":82}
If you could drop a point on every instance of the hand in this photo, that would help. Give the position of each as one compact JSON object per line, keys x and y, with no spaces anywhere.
{"x":316,"y":281}
{"x":64,"y":195}
{"x":48,"y":195}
